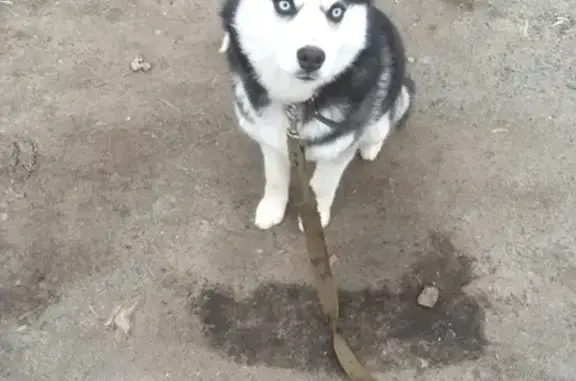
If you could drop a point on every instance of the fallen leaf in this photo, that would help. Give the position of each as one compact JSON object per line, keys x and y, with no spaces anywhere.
{"x":121,"y":317}
{"x":139,"y":63}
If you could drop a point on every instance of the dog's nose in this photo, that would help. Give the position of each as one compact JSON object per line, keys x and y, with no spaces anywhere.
{"x":310,"y":58}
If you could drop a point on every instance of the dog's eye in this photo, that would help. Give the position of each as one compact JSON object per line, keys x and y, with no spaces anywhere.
{"x":336,"y":12}
{"x":285,"y":7}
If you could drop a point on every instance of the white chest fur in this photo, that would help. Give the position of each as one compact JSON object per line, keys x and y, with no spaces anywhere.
{"x":270,"y":124}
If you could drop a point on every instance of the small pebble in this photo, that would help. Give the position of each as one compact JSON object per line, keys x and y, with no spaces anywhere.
{"x":428,"y":297}
{"x":410,"y":59}
{"x":333,"y":259}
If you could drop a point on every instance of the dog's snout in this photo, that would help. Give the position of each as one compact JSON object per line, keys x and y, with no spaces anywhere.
{"x":310,"y":58}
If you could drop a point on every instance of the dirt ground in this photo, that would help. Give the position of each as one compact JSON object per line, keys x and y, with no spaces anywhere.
{"x":116,"y":186}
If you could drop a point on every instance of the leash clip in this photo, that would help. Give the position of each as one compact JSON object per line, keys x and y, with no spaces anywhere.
{"x":291,"y":111}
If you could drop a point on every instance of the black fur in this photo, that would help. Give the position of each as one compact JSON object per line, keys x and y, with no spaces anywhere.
{"x":356,"y":88}
{"x":238,"y":61}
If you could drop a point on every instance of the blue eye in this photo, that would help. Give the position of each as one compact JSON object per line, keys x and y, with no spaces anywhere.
{"x":285,"y":7}
{"x":336,"y":12}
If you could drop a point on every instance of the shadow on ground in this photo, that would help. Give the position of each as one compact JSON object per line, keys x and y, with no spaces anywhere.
{"x":281,"y":324}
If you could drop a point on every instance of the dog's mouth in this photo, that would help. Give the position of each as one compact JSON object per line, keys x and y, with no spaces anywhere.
{"x":306,"y":77}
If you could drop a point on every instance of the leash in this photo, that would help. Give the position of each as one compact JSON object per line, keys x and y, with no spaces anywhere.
{"x":306,"y":204}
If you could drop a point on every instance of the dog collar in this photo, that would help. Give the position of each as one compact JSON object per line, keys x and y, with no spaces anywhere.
{"x":297,"y":112}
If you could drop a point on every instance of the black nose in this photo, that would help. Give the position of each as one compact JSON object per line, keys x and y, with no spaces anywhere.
{"x":310,"y":58}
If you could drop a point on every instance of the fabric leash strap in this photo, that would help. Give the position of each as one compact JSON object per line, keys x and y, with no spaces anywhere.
{"x":306,"y":204}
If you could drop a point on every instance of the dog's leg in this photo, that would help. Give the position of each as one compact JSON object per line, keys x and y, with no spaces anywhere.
{"x":404,"y":103}
{"x":325,"y":182}
{"x":271,"y":209}
{"x":374,"y":137}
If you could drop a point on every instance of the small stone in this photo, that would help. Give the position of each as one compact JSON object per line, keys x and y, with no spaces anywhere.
{"x":428,"y":297}
{"x":411,"y":59}
{"x":333,"y":259}
{"x":139,"y":63}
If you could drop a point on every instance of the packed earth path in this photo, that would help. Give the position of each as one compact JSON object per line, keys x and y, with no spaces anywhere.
{"x":127,"y":245}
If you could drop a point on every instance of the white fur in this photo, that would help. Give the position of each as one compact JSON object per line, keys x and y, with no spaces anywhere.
{"x":225,"y":44}
{"x":269,"y":130}
{"x":271,"y":43}
{"x":273,"y":55}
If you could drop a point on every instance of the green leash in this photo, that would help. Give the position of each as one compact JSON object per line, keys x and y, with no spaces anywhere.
{"x":318,"y":252}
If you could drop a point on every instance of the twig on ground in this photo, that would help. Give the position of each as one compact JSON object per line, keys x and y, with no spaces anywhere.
{"x":90,"y":69}
{"x":91,"y":309}
{"x":84,"y":43}
{"x":170,"y":105}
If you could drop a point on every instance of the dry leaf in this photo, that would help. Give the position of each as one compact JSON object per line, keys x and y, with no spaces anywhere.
{"x":121,"y":317}
{"x":110,"y":319}
{"x":139,"y":63}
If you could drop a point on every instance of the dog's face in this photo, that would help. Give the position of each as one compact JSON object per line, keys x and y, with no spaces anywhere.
{"x":305,"y":42}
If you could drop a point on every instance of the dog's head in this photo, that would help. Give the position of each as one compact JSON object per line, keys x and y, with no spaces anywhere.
{"x":300,"y":43}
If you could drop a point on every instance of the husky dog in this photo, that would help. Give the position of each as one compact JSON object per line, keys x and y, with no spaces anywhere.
{"x":342,"y":60}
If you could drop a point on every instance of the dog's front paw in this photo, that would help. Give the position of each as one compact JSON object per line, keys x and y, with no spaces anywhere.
{"x":270,"y":212}
{"x":324,"y":216}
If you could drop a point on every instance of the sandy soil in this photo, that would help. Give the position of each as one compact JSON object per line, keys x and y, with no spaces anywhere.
{"x":117,"y":185}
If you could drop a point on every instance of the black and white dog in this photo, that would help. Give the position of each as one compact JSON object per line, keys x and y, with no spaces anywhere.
{"x":344,"y":60}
